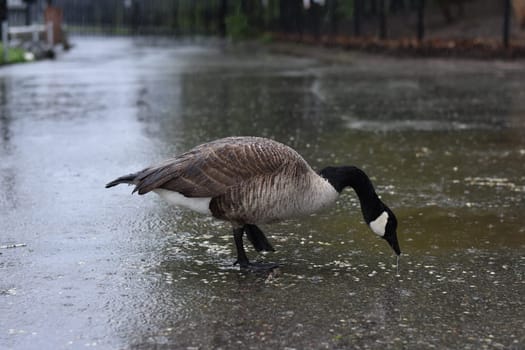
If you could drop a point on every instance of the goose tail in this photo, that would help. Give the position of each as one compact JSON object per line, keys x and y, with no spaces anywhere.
{"x":126,"y":179}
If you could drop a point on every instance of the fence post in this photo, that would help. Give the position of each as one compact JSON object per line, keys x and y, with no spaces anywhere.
{"x":28,"y":13}
{"x":3,"y":14}
{"x":34,"y":33}
{"x":5,"y":41}
{"x":332,"y":15}
{"x":382,"y":20}
{"x":357,"y":17}
{"x":421,"y":20}
{"x":506,"y":23}
{"x":49,"y":31}
{"x":222,"y":14}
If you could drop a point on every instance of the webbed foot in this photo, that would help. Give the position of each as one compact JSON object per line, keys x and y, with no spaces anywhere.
{"x":256,"y":267}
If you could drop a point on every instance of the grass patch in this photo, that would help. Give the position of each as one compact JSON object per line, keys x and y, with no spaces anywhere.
{"x":14,"y":55}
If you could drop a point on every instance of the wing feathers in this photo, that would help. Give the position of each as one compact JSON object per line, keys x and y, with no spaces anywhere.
{"x":210,"y":169}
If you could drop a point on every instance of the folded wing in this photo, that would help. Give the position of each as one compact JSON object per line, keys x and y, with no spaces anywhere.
{"x":210,"y":169}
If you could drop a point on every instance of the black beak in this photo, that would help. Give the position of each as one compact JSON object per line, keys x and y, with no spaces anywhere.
{"x":391,"y":238}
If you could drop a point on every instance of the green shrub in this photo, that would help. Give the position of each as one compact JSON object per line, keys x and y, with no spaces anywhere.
{"x":266,"y":38}
{"x":237,"y":26}
{"x":14,"y":55}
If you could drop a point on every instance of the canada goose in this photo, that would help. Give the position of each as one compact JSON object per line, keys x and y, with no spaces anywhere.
{"x":253,"y":180}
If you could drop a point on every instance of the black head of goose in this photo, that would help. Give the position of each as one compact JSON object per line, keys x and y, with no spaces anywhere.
{"x":252,"y":180}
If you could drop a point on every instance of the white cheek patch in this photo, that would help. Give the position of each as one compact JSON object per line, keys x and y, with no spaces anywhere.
{"x":200,"y":205}
{"x":379,"y":224}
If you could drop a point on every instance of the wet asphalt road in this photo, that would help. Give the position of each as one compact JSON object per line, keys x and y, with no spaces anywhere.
{"x":443,"y":140}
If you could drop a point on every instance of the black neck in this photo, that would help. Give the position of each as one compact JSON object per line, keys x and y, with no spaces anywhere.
{"x":351,"y":176}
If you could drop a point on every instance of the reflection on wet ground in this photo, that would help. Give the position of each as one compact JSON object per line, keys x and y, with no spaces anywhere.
{"x":443,"y":140}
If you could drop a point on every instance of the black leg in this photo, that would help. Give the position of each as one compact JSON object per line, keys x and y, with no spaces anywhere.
{"x":242,"y":259}
{"x":258,"y":239}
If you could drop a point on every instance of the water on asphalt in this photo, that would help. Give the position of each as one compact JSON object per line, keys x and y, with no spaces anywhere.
{"x":443,"y":140}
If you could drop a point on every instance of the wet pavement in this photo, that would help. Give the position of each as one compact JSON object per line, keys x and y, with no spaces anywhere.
{"x":443,"y":140}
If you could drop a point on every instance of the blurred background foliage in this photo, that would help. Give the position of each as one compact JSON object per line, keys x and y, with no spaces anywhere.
{"x":302,"y":20}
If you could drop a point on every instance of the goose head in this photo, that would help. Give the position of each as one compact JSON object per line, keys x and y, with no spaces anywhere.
{"x":385,"y":226}
{"x":378,"y":216}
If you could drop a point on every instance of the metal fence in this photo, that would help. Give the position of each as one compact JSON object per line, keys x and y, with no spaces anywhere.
{"x":158,"y":17}
{"x":384,"y":19}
